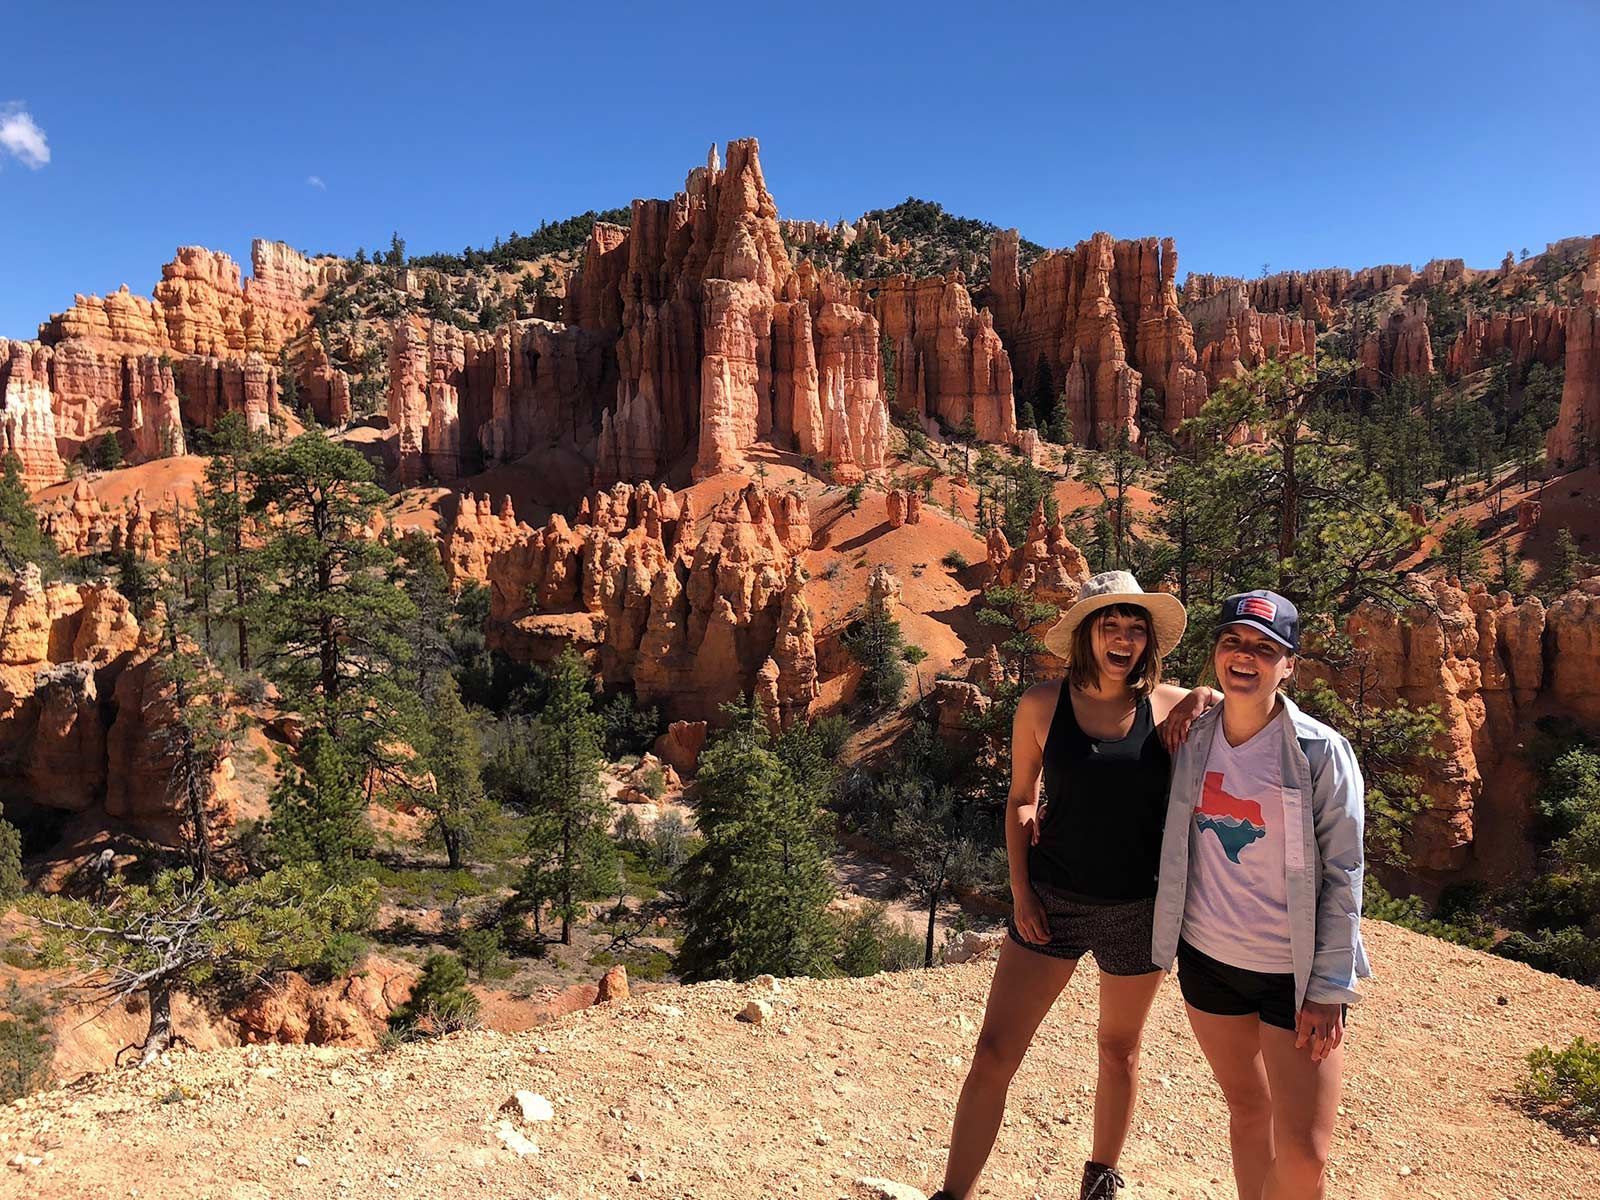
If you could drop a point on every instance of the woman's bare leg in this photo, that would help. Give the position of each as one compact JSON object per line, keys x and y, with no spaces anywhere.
{"x":1232,"y":1045}
{"x":1305,"y":1103}
{"x":1124,"y":1005}
{"x":1026,"y":983}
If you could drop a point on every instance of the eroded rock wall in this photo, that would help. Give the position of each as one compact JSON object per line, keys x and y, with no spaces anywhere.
{"x":1103,"y":318}
{"x":1492,"y":666}
{"x":688,"y":616}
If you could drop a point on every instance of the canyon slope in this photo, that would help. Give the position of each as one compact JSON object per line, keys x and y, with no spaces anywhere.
{"x":686,"y":442}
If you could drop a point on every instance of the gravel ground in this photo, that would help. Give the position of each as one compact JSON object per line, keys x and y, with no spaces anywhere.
{"x":669,"y":1095}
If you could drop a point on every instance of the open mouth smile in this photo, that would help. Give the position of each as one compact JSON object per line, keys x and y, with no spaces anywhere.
{"x":1243,"y":674}
{"x":1119,"y":658}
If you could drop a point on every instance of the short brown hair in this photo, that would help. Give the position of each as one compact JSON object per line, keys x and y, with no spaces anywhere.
{"x":1082,"y":670}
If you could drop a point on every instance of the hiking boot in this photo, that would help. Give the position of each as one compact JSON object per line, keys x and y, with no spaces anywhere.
{"x":941,"y":1194}
{"x":1100,"y":1182}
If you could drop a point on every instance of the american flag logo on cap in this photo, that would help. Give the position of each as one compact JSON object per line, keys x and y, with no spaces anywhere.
{"x":1258,"y":606}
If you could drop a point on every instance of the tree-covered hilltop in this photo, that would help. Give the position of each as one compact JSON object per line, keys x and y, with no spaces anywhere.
{"x":939,"y":240}
{"x":562,"y":237}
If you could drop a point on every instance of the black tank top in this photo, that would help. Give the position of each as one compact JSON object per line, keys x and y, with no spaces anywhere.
{"x":1105,"y":809}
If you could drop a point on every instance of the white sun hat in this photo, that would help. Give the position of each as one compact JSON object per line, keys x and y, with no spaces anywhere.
{"x":1166,"y":611}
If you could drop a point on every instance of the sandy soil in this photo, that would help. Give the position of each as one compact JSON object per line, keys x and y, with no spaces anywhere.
{"x":669,"y":1095}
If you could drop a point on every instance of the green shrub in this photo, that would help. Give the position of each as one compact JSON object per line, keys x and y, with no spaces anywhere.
{"x":869,"y":943}
{"x":955,"y":560}
{"x":482,"y":950}
{"x":1569,"y":952}
{"x":629,"y":830}
{"x":26,"y":1044}
{"x":1565,"y":1084}
{"x":1410,"y":913}
{"x":343,"y":955}
{"x":1556,"y":900}
{"x":670,"y":841}
{"x":654,"y":783}
{"x":440,"y":1002}
{"x":1571,"y":792}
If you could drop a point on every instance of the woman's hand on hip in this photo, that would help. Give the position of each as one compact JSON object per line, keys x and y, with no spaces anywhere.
{"x":1027,"y":914}
{"x":1319,"y":1027}
{"x":1028,"y":818}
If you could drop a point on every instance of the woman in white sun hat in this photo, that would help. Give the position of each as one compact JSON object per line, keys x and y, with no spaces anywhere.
{"x":1083,"y":870}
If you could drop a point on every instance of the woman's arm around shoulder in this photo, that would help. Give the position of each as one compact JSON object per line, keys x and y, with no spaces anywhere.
{"x":1174,"y":709}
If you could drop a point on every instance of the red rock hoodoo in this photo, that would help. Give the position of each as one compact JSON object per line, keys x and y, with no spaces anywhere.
{"x":1103,"y":319}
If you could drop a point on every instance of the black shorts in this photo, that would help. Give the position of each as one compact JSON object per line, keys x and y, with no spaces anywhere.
{"x":1224,"y":991}
{"x":1118,"y":933}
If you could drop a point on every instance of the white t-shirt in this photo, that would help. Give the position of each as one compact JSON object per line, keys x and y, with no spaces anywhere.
{"x":1238,"y":904}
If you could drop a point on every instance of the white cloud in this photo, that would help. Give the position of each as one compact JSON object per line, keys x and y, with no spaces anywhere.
{"x":316,"y":182}
{"x":21,"y":137}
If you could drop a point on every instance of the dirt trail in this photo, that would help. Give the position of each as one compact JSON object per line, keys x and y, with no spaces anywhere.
{"x":668,"y":1095}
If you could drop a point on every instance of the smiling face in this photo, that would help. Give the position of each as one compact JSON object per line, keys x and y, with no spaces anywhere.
{"x":1249,"y":664}
{"x":1119,"y":641}
{"x":1116,"y":648}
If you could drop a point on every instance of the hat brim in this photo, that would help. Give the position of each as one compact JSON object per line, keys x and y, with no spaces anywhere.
{"x":1261,"y":628}
{"x":1167,"y":615}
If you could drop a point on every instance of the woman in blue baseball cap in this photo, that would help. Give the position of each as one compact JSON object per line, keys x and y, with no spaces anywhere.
{"x":1083,"y":870}
{"x":1260,"y":901}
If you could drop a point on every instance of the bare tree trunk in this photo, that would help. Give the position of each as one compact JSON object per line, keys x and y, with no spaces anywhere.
{"x":566,"y":882}
{"x":159,"y":1036}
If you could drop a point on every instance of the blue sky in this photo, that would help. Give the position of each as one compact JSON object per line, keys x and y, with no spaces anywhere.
{"x":1296,"y":135}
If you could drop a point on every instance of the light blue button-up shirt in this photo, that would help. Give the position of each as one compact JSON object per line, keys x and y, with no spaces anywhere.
{"x":1325,"y":799}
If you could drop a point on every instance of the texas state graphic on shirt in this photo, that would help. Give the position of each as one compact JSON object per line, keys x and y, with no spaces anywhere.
{"x":1236,"y":822}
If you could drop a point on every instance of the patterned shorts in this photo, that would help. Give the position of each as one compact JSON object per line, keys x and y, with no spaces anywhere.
{"x":1118,"y":934}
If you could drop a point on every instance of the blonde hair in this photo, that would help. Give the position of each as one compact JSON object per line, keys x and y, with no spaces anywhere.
{"x":1083,"y":672}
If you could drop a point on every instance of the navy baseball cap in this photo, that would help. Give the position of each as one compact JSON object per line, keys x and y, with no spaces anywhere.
{"x":1272,"y":614}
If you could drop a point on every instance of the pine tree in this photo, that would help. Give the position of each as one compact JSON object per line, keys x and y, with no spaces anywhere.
{"x":223,"y":505}
{"x":1113,"y":473}
{"x":336,"y":627}
{"x":935,"y":828}
{"x":108,"y":454}
{"x":21,"y":539}
{"x":1396,"y":745}
{"x":1512,"y":577}
{"x":1299,"y":510}
{"x":136,"y":579}
{"x":10,"y":861}
{"x":1023,"y":489}
{"x":570,"y":853}
{"x":1459,"y":550}
{"x":756,"y":893}
{"x":196,"y":739}
{"x":175,"y":935}
{"x":26,"y":1044}
{"x":319,"y":812}
{"x":875,"y":641}
{"x":1044,"y":398}
{"x":1012,"y":608}
{"x":421,"y":573}
{"x":457,"y":801}
{"x":440,"y":1001}
{"x":888,"y":365}
{"x":1564,"y":572}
